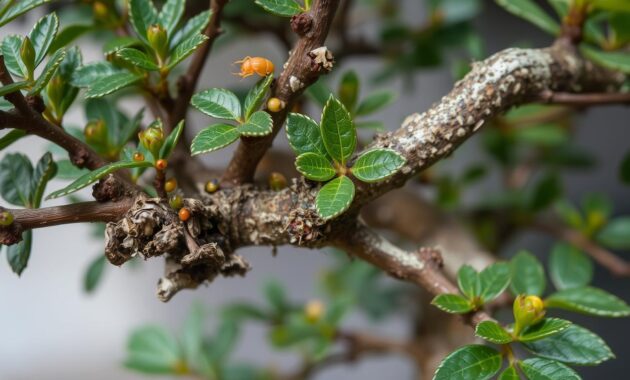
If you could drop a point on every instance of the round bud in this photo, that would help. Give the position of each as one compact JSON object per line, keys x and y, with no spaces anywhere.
{"x":275,"y":104}
{"x":212,"y":186}
{"x":170,"y":185}
{"x":27,"y":54}
{"x":176,"y":202}
{"x":161,"y":164}
{"x":277,"y":181}
{"x":95,"y":132}
{"x":528,"y":310}
{"x":184,"y":214}
{"x":6,"y":218}
{"x":138,"y":157}
{"x":152,"y":139}
{"x":314,"y":310}
{"x":156,"y":35}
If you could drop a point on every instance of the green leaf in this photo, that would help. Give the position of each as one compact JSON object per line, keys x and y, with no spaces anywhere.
{"x":20,"y":7}
{"x":468,"y":281}
{"x":11,"y":52}
{"x":546,"y":135}
{"x":96,"y":175}
{"x":171,"y":14}
{"x":510,"y":373}
{"x":377,"y":164}
{"x":615,"y":60}
{"x":219,"y":103}
{"x":49,"y":70}
{"x":611,"y":5}
{"x":112,"y":83}
{"x":259,"y":124}
{"x":469,"y":362}
{"x":528,"y":275}
{"x":544,"y":369}
{"x":569,"y":267}
{"x":375,"y":102}
{"x":589,"y":300}
{"x":493,"y":332}
{"x":11,"y":137}
{"x":334,"y":197}
{"x":43,"y":34}
{"x":152,"y":349}
{"x":256,"y":96}
{"x":86,"y":75}
{"x":531,"y":12}
{"x":543,"y":329}
{"x":142,"y":14}
{"x":494,"y":279}
{"x":44,"y":171}
{"x":171,"y":140}
{"x":338,"y":131}
{"x":545,"y":192}
{"x":285,"y":8}
{"x":193,"y":333}
{"x":15,"y":178}
{"x":304,"y":135}
{"x":624,"y":169}
{"x":616,"y":234}
{"x":575,"y":345}
{"x":114,"y":44}
{"x":186,"y":48}
{"x":193,"y":27}
{"x":137,"y":58}
{"x":13,"y":87}
{"x":349,"y":89}
{"x":94,"y":273}
{"x":69,"y":34}
{"x":452,"y":303}
{"x":314,"y":166}
{"x":213,"y":137}
{"x":18,"y":254}
{"x":276,"y":297}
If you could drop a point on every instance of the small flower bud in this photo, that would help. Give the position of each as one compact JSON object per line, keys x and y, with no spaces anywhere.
{"x":95,"y":132}
{"x":27,"y":54}
{"x":158,"y":39}
{"x":138,"y":157}
{"x":528,"y":310}
{"x":277,"y":181}
{"x":275,"y":104}
{"x":176,"y":202}
{"x":212,"y":186}
{"x":6,"y":218}
{"x":152,"y":139}
{"x":314,"y":310}
{"x":55,"y":90}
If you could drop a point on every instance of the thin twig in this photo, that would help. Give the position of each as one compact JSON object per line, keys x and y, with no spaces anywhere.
{"x":583,"y":100}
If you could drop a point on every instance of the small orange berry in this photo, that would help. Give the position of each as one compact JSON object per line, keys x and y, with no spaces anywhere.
{"x":184,"y":214}
{"x":161,"y":164}
{"x":170,"y":185}
{"x":275,"y":104}
{"x":212,"y":186}
{"x":138,"y":157}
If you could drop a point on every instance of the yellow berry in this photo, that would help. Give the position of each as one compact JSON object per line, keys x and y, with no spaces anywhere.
{"x":313,"y":310}
{"x":277,"y":181}
{"x":138,"y":157}
{"x":170,"y":185}
{"x":184,"y":214}
{"x":212,"y":186}
{"x":6,"y":218}
{"x":275,"y":104}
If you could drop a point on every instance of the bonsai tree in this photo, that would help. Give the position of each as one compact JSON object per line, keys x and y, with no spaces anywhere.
{"x":347,"y":181}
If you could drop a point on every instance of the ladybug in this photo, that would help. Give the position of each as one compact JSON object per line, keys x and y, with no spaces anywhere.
{"x":255,"y":65}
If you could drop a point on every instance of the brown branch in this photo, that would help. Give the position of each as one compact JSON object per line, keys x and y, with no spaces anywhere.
{"x":583,"y":100}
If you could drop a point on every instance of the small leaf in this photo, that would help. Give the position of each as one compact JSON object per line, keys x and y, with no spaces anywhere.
{"x":377,"y":164}
{"x":531,"y":12}
{"x":510,"y":373}
{"x":137,"y":58}
{"x":18,"y":8}
{"x":304,"y":135}
{"x":15,"y":178}
{"x":589,"y":300}
{"x":276,"y":297}
{"x":256,"y":96}
{"x":259,"y":124}
{"x":493,"y":332}
{"x":97,"y":174}
{"x":112,"y":83}
{"x":338,"y":131}
{"x":334,"y":197}
{"x":11,"y":53}
{"x":43,"y":34}
{"x":219,"y":103}
{"x":11,"y":137}
{"x":44,"y":171}
{"x":193,"y":27}
{"x":528,"y":275}
{"x":86,"y":75}
{"x":615,"y":60}
{"x":49,"y":70}
{"x":186,"y":48}
{"x":545,"y":192}
{"x":494,"y":279}
{"x":117,"y":43}
{"x":94,"y":273}
{"x":69,"y":34}
{"x":375,"y":102}
{"x":616,"y":234}
{"x":575,"y":345}
{"x":611,"y":5}
{"x":285,"y":8}
{"x":624,"y":169}
{"x":18,"y":254}
{"x":468,"y":281}
{"x":452,"y":303}
{"x":315,"y":167}
{"x":470,"y":362}
{"x":213,"y":137}
{"x":142,"y":14}
{"x":193,"y":335}
{"x":170,"y":14}
{"x":544,"y":369}
{"x":569,"y":267}
{"x":171,"y":140}
{"x":13,"y":87}
{"x":152,"y":349}
{"x":349,"y":89}
{"x":543,"y":329}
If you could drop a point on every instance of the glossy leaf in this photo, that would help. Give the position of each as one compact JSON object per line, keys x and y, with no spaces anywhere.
{"x":349,"y":89}
{"x":528,"y":275}
{"x":193,"y":27}
{"x":256,"y":96}
{"x":18,"y":254}
{"x":49,"y":70}
{"x":468,"y":281}
{"x":137,"y":58}
{"x":13,"y":87}
{"x":94,"y":273}
{"x":11,"y":53}
{"x":493,"y":332}
{"x":375,"y":102}
{"x":531,"y":12}
{"x":469,"y":362}
{"x":575,"y":345}
{"x":259,"y":124}
{"x":510,"y":373}
{"x":16,"y":172}
{"x":334,"y":197}
{"x":44,"y":171}
{"x":543,"y":329}
{"x":545,"y":369}
{"x":304,"y":135}
{"x":377,"y":164}
{"x":170,"y":14}
{"x":43,"y":34}
{"x":171,"y":140}
{"x":213,"y":137}
{"x":152,"y":349}
{"x":112,"y":83}
{"x":142,"y":14}
{"x":452,"y":303}
{"x":616,"y":234}
{"x":314,"y":166}
{"x":219,"y":103}
{"x":615,"y":60}
{"x":186,"y":48}
{"x":86,"y":75}
{"x":338,"y":131}
{"x":494,"y":279}
{"x":589,"y":300}
{"x":569,"y":267}
{"x":285,"y":8}
{"x":20,"y":7}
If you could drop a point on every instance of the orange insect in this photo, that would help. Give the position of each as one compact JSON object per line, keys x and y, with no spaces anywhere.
{"x":255,"y":65}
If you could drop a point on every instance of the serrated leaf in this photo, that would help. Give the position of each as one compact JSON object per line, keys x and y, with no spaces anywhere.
{"x":377,"y":164}
{"x":575,"y":345}
{"x":137,"y":58}
{"x":15,"y":178}
{"x":171,"y":140}
{"x":11,"y":137}
{"x":510,"y":373}
{"x":49,"y":70}
{"x":468,"y":281}
{"x":44,"y":171}
{"x":18,"y":254}
{"x":256,"y":96}
{"x":528,"y":275}
{"x":86,"y":75}
{"x":615,"y":234}
{"x":469,"y":362}
{"x":375,"y":102}
{"x":219,"y":103}
{"x":112,"y":83}
{"x":213,"y":137}
{"x":304,"y":135}
{"x":259,"y":124}
{"x":186,"y":48}
{"x":493,"y":332}
{"x":13,"y":87}
{"x":338,"y":131}
{"x":334,"y":197}
{"x":43,"y":34}
{"x":349,"y":89}
{"x":170,"y":14}
{"x":545,"y":369}
{"x":314,"y":166}
{"x":530,"y":11}
{"x":494,"y":279}
{"x":615,"y":60}
{"x":543,"y":329}
{"x":589,"y":300}
{"x":142,"y":14}
{"x":20,"y":7}
{"x":193,"y":27}
{"x":569,"y":267}
{"x":452,"y":303}
{"x":97,"y":174}
{"x":94,"y":273}
{"x":284,"y":8}
{"x":11,"y":53}
{"x":152,"y":349}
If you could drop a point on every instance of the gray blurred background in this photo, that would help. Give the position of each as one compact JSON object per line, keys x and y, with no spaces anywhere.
{"x":50,"y":329}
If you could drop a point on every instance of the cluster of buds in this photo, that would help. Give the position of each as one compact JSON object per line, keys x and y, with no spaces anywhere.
{"x":27,"y":54}
{"x":528,"y":310}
